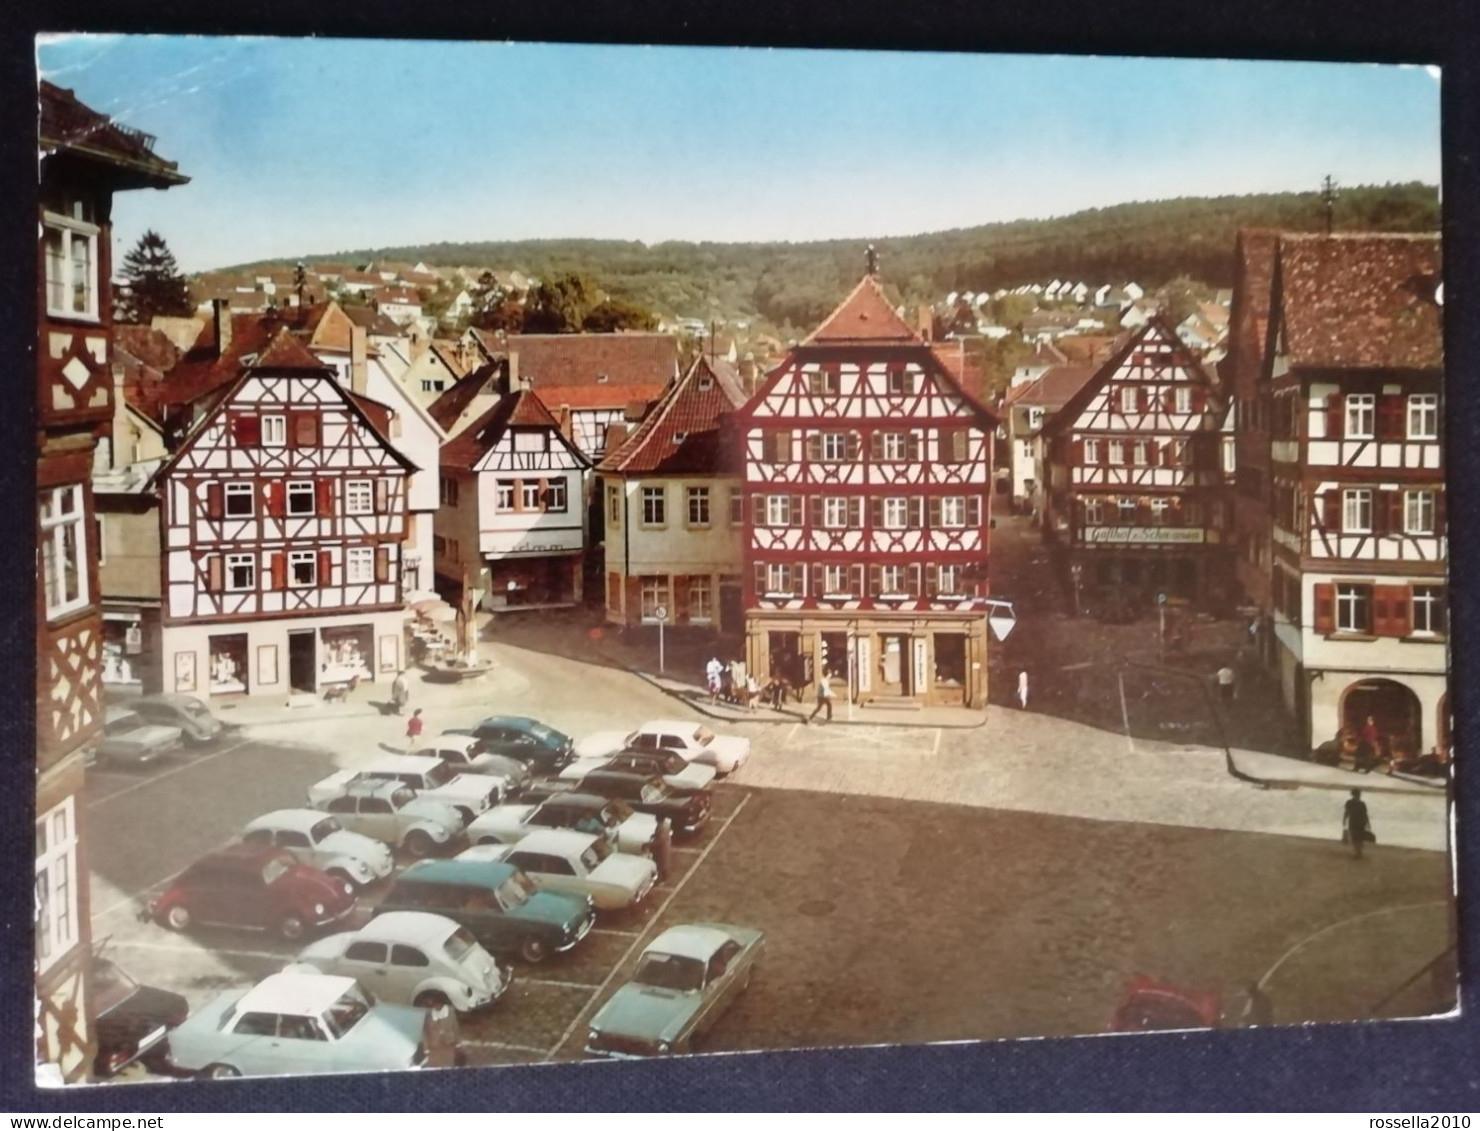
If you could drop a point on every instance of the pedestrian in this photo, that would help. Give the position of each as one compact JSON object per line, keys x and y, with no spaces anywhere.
{"x":824,"y":698}
{"x":663,"y":847}
{"x":752,"y":691}
{"x":400,"y":692}
{"x":1371,"y":746}
{"x":1226,"y":679}
{"x":712,"y":672}
{"x":414,"y":726}
{"x":1356,"y":827}
{"x":1022,"y":691}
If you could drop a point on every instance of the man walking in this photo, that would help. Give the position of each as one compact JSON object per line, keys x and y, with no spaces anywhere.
{"x":1022,"y":691}
{"x":1356,"y":828}
{"x":824,"y":698}
{"x":663,"y":848}
{"x":400,"y":692}
{"x":712,"y":672}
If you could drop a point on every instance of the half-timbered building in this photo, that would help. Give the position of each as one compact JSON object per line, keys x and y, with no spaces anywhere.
{"x":511,"y":520}
{"x":282,"y":516}
{"x":1138,"y":465}
{"x":867,"y":480}
{"x":675,"y":508}
{"x":1353,"y":380}
{"x":84,"y":159}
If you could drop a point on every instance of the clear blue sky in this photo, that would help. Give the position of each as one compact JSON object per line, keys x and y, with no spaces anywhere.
{"x":313,"y":146}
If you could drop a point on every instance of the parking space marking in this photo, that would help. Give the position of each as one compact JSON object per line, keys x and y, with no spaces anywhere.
{"x":504,"y":1045}
{"x":557,"y":983}
{"x":935,"y":749}
{"x":186,"y":948}
{"x":153,"y":778}
{"x":614,"y":931}
{"x":681,"y":851}
{"x":657,"y":917}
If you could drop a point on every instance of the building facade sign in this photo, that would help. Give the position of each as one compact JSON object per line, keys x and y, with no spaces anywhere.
{"x":1143,"y":535}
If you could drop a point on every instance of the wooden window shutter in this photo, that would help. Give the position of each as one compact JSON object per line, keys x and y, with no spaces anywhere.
{"x":214,"y":505}
{"x":246,"y":429}
{"x":876,"y":516}
{"x":757,"y":510}
{"x":1400,"y":609}
{"x":915,"y":509}
{"x":855,"y":513}
{"x":912,"y":579}
{"x":1325,"y":620}
{"x":818,"y":584}
{"x":275,"y":495}
{"x":855,"y":580}
{"x":875,"y":445}
{"x":783,"y":447}
{"x":794,"y":510}
{"x":1331,"y":511}
{"x":325,"y":566}
{"x":814,"y":446}
{"x":875,"y":581}
{"x":935,"y":512}
{"x":760,"y":578}
{"x":1380,"y":626}
{"x":324,"y":488}
{"x":1395,"y":502}
{"x":383,"y":495}
{"x":1334,"y":407}
{"x":932,"y":579}
{"x":383,"y":563}
{"x":973,"y":510}
{"x":305,"y":429}
{"x":852,"y":446}
{"x":960,"y":445}
{"x":912,"y":446}
{"x":279,"y":571}
{"x":215,"y":574}
{"x":814,"y":504}
{"x":768,"y":447}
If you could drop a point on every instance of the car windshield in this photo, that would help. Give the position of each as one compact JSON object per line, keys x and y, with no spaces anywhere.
{"x":276,"y":868}
{"x":122,"y":724}
{"x":670,"y":972}
{"x":438,"y":773}
{"x":654,"y":791}
{"x":703,"y":736}
{"x":195,"y":708}
{"x":327,"y":827}
{"x":515,"y":891}
{"x":548,"y":735}
{"x":402,"y":797}
{"x":459,"y":944}
{"x":347,"y":1012}
{"x":598,"y":851}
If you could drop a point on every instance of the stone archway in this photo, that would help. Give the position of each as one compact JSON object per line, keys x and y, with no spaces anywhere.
{"x":1392,"y":706}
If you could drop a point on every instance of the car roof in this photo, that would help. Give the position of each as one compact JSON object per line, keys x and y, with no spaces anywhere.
{"x":400,"y":763}
{"x":297,"y":819}
{"x":559,"y":842}
{"x":295,"y":993}
{"x":365,"y":787}
{"x":484,"y":873}
{"x":688,"y":726}
{"x":621,"y":775}
{"x":407,"y":927}
{"x":242,"y":855}
{"x":518,"y":722}
{"x":581,"y":800}
{"x":689,"y":940}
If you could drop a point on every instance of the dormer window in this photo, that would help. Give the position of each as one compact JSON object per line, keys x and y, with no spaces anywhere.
{"x":602,"y":378}
{"x":680,"y":437}
{"x":705,"y":384}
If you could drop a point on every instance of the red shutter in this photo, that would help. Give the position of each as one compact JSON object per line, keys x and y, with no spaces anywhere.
{"x":214,"y":506}
{"x":1334,"y":423}
{"x":760,"y":578}
{"x":817,"y":582}
{"x":1390,"y":610}
{"x":914,"y":509}
{"x":279,"y":571}
{"x":215,"y":581}
{"x":1380,"y":625}
{"x":875,"y":581}
{"x":383,"y":563}
{"x":1331,"y":511}
{"x":246,"y":430}
{"x":383,"y":495}
{"x":1400,"y":610}
{"x":325,"y":490}
{"x":325,"y":566}
{"x":1325,"y":621}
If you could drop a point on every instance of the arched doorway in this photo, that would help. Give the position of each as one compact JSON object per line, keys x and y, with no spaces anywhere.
{"x":1392,"y":706}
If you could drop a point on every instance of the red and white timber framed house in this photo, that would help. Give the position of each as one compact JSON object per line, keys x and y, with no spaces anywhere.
{"x":282,"y":515}
{"x":1139,"y":461}
{"x":867,"y":475}
{"x":1353,"y":381}
{"x":85,"y":158}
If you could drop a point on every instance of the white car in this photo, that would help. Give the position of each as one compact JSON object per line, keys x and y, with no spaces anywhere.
{"x":624,"y":828}
{"x":387,"y":811}
{"x":413,"y":958}
{"x":577,"y":864}
{"x":463,"y":755}
{"x":469,"y":794}
{"x":695,"y":743}
{"x":319,"y":840}
{"x":674,"y":768}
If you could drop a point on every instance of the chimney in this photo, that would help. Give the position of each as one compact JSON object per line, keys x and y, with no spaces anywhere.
{"x":616,"y":436}
{"x":222,"y":310}
{"x":512,"y":380}
{"x":926,"y":322}
{"x":359,"y":364}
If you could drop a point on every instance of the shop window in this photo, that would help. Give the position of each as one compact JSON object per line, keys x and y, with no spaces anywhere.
{"x":1094,"y":512}
{"x":950,"y":657}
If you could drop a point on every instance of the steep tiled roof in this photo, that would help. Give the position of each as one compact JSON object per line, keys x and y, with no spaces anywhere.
{"x":523,"y":408}
{"x":864,"y":317}
{"x":1053,"y":387}
{"x":287,"y":352}
{"x":547,"y":360}
{"x":150,"y":346}
{"x":69,"y":125}
{"x":1361,"y":300}
{"x":1249,"y":318}
{"x":373,"y":321}
{"x":449,"y":405}
{"x":682,"y":433}
{"x":600,"y":396}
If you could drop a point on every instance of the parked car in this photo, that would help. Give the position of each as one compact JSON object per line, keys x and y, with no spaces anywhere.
{"x":578,"y":864}
{"x":469,"y":794}
{"x":677,"y":772}
{"x":499,"y":905}
{"x":133,"y":1021}
{"x":692,"y":742}
{"x":1149,"y":1005}
{"x":194,"y":719}
{"x":543,"y":749}
{"x":687,"y":977}
{"x":463,"y":755}
{"x":414,"y":958}
{"x":293,"y":1022}
{"x":688,"y":810}
{"x":388,"y":811}
{"x":317,"y":839}
{"x":129,"y":739}
{"x":624,"y":828}
{"x":261,"y":889}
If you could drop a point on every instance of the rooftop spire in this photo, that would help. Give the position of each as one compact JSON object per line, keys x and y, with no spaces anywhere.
{"x":871,"y":260}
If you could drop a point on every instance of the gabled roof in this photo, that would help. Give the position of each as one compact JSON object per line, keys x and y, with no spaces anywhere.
{"x":864,"y":317}
{"x":561,"y":360}
{"x":1052,"y":388}
{"x":1361,"y":300}
{"x":68,"y":125}
{"x":451,"y":403}
{"x":601,"y":396}
{"x":521,"y":409}
{"x":285,"y":352}
{"x":373,"y":321}
{"x":682,"y":433}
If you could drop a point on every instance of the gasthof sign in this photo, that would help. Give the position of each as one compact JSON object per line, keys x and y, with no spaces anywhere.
{"x":1144,"y":535}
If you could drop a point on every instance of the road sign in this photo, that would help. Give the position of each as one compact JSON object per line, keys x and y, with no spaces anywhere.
{"x":1161,"y":598}
{"x":1001,"y":617}
{"x":660,"y":613}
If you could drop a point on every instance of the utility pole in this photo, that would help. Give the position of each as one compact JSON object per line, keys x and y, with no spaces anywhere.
{"x":1328,"y":199}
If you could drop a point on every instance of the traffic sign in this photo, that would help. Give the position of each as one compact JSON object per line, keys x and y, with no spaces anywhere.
{"x":660,"y":613}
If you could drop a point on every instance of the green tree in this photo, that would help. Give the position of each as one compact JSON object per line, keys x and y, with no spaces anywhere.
{"x":559,"y":306}
{"x":618,"y":314}
{"x":494,"y":308}
{"x":155,"y":283}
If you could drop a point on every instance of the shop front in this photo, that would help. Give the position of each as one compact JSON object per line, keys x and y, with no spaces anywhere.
{"x":1139,"y":564}
{"x":535,"y":582}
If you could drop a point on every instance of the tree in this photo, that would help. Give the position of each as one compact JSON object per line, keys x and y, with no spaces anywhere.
{"x":559,"y":306}
{"x":494,"y":308}
{"x":617,"y":314}
{"x":155,"y":283}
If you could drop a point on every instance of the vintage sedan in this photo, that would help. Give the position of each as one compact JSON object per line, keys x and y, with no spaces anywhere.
{"x":195,"y":720}
{"x":133,"y":1021}
{"x":388,"y":812}
{"x":677,"y":772}
{"x":254,"y":887}
{"x":691,"y":741}
{"x":293,"y":1022}
{"x":434,"y":780}
{"x":414,"y":958}
{"x":688,"y":810}
{"x":543,"y":749}
{"x":577,"y":864}
{"x":624,"y":828}
{"x":129,"y":739}
{"x":320,"y":841}
{"x":464,"y":755}
{"x":687,"y":977}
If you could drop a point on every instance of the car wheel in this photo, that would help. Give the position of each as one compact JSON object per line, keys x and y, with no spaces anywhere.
{"x":433,"y":1000}
{"x":419,"y":843}
{"x":291,"y":928}
{"x":532,"y":950}
{"x":177,"y":918}
{"x":219,"y":1072}
{"x":466,"y":814}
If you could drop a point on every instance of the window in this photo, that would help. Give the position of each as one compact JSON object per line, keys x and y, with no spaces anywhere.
{"x":1160,"y":510}
{"x":892,"y":579}
{"x":654,"y":506}
{"x":613,"y":505}
{"x":896,"y":514}
{"x":833,"y":446}
{"x":432,"y":386}
{"x":1129,"y":401}
{"x":372,"y":953}
{"x":1092,"y":451}
{"x":1418,"y":512}
{"x":1423,"y":416}
{"x":529,"y":495}
{"x":241,"y":572}
{"x":300,"y":498}
{"x":948,"y":580}
{"x":1230,"y":455}
{"x":1140,"y":453}
{"x":503,"y":495}
{"x":56,"y":884}
{"x":778,"y":577}
{"x":359,"y":565}
{"x":302,"y":568}
{"x":1354,"y":608}
{"x":953,"y":510}
{"x":835,"y":513}
{"x":1361,"y":414}
{"x":447,"y":491}
{"x":1356,"y":511}
{"x":893,"y":446}
{"x":1430,"y":615}
{"x":654,"y":592}
{"x":822,"y":382}
{"x":1117,"y":453}
{"x":701,"y":600}
{"x":901,"y":382}
{"x":71,"y":252}
{"x":306,"y":430}
{"x":359,"y":496}
{"x":63,"y":549}
{"x":274,"y":431}
{"x":737,"y":506}
{"x":698,"y":506}
{"x":1127,"y":508}
{"x":557,"y":497}
{"x":835,"y":579}
{"x":778,"y":510}
{"x":1094,"y":512}
{"x":407,"y":956}
{"x":1182,"y":399}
